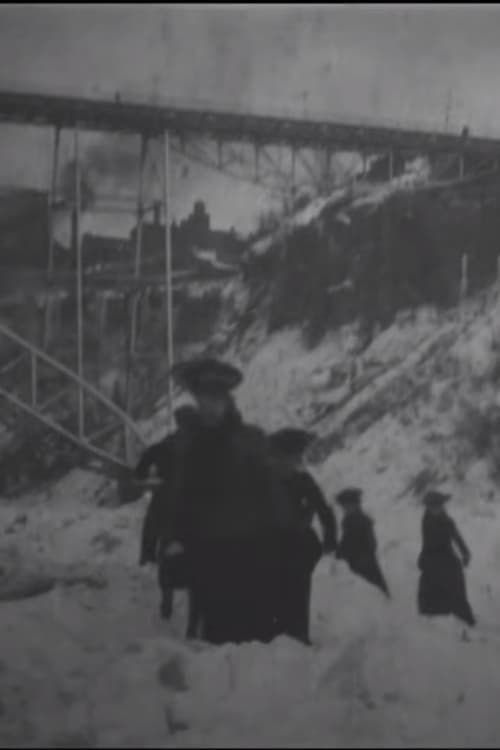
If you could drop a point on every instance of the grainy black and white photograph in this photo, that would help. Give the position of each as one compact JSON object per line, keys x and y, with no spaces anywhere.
{"x":249,"y":375}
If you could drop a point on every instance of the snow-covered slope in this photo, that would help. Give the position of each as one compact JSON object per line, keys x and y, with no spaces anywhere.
{"x":89,"y":663}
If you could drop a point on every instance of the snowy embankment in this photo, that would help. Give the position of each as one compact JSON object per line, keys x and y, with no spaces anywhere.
{"x":89,"y":663}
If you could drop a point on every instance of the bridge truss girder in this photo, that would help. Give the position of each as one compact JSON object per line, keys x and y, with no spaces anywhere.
{"x":289,"y":168}
{"x":275,"y":168}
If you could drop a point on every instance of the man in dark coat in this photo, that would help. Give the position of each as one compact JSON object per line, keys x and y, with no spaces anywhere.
{"x":161,"y":457}
{"x":307,"y":502}
{"x":442,"y":589}
{"x":358,"y":546}
{"x":157,"y":531}
{"x":232,"y":511}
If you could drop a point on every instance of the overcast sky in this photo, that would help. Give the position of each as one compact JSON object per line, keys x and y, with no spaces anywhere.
{"x":397,"y":62}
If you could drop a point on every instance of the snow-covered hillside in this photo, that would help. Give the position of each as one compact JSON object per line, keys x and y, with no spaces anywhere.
{"x":87,"y":662}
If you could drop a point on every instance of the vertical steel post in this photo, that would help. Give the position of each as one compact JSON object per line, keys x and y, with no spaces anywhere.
{"x":464,"y":277}
{"x":138,"y":253}
{"x":47,"y":330}
{"x":79,"y":287}
{"x":167,"y":208}
{"x":327,"y":170}
{"x":102,"y":326}
{"x":132,"y":338}
{"x":461,"y":166}
{"x":140,"y":208}
{"x":257,"y":162}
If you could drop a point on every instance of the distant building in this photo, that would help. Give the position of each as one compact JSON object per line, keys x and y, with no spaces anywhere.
{"x":192,"y":235}
{"x":195,"y":246}
{"x":100,"y":251}
{"x":153,"y":241}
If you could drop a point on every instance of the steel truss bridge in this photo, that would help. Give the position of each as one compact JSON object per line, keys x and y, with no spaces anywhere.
{"x":247,"y":144}
{"x":279,"y":151}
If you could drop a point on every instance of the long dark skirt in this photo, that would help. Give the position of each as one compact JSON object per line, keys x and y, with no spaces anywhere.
{"x":368,"y":567}
{"x":234,"y":583}
{"x":442,"y":589}
{"x":255,"y":588}
{"x":299,"y":554}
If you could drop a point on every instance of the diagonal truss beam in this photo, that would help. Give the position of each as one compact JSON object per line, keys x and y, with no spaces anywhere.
{"x":37,"y":410}
{"x":244,"y":162}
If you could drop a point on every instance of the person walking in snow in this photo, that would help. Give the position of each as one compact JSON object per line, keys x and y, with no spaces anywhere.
{"x":307,"y":502}
{"x":358,"y":545}
{"x":442,"y":588}
{"x":157,"y":538}
{"x":232,"y":511}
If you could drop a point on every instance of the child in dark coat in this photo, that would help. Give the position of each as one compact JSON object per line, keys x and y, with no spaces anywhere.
{"x":442,"y":589}
{"x":358,"y":545}
{"x":307,"y":501}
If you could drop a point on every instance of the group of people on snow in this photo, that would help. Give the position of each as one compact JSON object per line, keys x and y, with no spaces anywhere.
{"x":231,"y":522}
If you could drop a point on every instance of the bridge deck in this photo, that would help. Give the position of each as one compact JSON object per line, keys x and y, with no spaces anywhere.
{"x":114,"y":115}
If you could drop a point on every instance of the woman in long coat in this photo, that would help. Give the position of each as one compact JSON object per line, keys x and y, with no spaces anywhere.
{"x":442,"y":589}
{"x":232,"y":513}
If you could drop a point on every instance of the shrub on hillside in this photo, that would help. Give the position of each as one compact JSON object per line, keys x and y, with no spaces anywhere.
{"x":478,"y":428}
{"x":389,"y":256}
{"x":196,"y":316}
{"x":303,"y":293}
{"x":396,"y":255}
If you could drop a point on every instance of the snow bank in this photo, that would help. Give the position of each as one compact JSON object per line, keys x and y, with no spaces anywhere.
{"x":377,"y":677}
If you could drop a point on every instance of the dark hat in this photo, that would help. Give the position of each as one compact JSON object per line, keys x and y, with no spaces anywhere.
{"x":186,"y":416}
{"x":434,"y":499}
{"x":349,"y":496}
{"x":207,"y":375}
{"x":291,"y":441}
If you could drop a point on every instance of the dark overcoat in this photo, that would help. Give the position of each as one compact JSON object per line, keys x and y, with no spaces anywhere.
{"x":358,"y":547}
{"x":442,"y":589}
